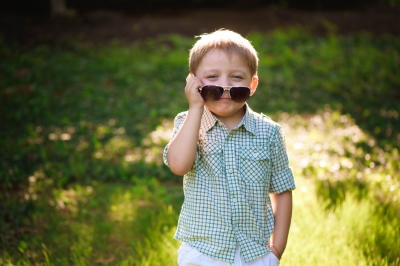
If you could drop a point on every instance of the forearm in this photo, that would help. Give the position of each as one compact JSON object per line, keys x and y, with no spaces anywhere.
{"x":282,"y":208}
{"x":182,"y":149}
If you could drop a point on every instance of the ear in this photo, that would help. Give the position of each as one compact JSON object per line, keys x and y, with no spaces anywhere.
{"x":253,"y":85}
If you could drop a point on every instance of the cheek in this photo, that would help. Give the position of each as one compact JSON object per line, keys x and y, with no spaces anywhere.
{"x":211,"y":104}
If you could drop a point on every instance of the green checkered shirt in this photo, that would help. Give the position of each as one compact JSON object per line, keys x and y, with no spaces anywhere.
{"x":227,"y":190}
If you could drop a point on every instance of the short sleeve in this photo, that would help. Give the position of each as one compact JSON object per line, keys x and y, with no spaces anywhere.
{"x":178,"y":121}
{"x":282,"y":176}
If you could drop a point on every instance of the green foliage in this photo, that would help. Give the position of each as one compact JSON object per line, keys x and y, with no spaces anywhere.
{"x":359,"y":75}
{"x":99,"y":224}
{"x":355,"y":233}
{"x":86,"y":99}
{"x":357,"y":190}
{"x":84,"y":126}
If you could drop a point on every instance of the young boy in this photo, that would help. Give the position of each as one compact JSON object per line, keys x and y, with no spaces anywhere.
{"x":237,"y":179}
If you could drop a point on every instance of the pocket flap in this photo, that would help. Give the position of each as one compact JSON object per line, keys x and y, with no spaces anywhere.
{"x":254,"y":153}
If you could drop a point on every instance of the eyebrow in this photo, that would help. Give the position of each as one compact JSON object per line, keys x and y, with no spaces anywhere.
{"x":243,"y":70}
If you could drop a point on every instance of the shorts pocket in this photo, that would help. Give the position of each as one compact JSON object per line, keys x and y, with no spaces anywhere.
{"x":254,"y":164}
{"x":274,"y":258}
{"x":267,"y":260}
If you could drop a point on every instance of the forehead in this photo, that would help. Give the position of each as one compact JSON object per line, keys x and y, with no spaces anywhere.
{"x":217,"y":59}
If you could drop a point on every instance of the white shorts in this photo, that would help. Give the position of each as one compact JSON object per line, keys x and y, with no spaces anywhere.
{"x":188,"y":256}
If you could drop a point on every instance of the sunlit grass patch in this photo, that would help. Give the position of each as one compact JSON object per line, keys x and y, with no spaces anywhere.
{"x":330,"y":148}
{"x":352,"y":234}
{"x":346,"y":207}
{"x":102,"y":223}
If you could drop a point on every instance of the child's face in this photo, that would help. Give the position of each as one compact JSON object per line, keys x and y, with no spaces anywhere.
{"x":219,"y":68}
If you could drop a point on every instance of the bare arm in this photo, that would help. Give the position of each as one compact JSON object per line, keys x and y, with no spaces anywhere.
{"x":282,"y":208}
{"x":182,"y":149}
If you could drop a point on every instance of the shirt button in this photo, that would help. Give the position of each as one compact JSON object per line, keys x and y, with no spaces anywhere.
{"x":234,"y":200}
{"x":230,"y":171}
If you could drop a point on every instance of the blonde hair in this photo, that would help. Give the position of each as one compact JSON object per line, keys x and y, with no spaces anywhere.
{"x":227,"y":41}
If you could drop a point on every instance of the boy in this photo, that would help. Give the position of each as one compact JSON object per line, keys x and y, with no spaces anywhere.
{"x":237,"y":179}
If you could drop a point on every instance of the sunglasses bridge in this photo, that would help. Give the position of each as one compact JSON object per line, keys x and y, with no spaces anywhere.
{"x":225,"y":88}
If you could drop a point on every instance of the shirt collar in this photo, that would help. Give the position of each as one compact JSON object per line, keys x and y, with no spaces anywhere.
{"x":248,"y":121}
{"x":208,"y":120}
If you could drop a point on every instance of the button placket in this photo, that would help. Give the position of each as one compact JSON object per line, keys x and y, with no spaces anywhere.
{"x":231,"y":172}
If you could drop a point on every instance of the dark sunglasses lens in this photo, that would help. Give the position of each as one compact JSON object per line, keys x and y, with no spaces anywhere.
{"x":211,"y":93}
{"x":240,"y":94}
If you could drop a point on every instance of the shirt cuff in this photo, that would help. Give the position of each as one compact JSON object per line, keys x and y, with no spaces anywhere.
{"x":165,"y":155}
{"x":282,"y":181}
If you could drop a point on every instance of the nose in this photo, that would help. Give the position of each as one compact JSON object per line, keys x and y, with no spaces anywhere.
{"x":226,"y":94}
{"x":225,"y":82}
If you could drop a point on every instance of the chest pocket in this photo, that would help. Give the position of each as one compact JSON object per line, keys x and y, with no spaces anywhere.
{"x":211,"y":158}
{"x":254,"y":164}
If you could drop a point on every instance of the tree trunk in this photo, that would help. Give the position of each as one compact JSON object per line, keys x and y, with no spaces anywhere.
{"x":58,"y":8}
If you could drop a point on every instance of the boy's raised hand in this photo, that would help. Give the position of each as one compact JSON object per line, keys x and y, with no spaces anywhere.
{"x":183,"y":147}
{"x":192,"y":91}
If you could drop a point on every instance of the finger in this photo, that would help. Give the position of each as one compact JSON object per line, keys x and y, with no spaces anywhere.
{"x":192,"y":81}
{"x":189,"y":77}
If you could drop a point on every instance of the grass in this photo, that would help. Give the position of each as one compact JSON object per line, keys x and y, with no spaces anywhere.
{"x":100,"y":224}
{"x":116,"y":224}
{"x":340,"y":216}
{"x":82,"y":178}
{"x":338,"y":237}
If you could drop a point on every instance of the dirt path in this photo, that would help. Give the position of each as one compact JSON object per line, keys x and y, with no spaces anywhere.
{"x":105,"y":26}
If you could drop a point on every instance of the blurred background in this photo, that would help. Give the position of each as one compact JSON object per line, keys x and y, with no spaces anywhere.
{"x":89,"y":91}
{"x":43,"y":21}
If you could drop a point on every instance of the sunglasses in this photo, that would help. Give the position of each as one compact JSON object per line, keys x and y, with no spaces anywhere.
{"x":238,"y":94}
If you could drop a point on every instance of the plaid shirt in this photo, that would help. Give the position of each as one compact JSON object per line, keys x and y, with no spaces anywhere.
{"x":227,"y":190}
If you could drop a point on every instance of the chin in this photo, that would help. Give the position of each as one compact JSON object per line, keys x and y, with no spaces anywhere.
{"x":225,"y":111}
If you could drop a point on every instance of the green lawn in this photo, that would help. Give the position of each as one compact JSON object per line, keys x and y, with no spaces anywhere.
{"x":84,"y":126}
